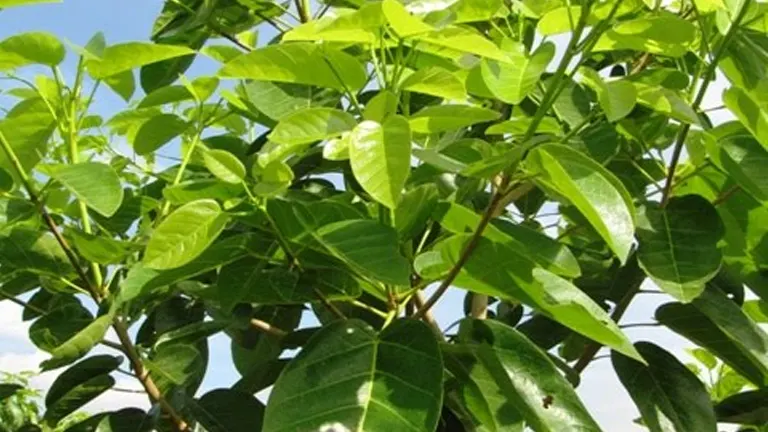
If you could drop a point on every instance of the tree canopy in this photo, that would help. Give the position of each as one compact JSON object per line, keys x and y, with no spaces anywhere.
{"x":336,"y":180}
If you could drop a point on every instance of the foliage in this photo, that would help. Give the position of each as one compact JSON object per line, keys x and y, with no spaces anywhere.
{"x":20,"y":405}
{"x":366,"y":155}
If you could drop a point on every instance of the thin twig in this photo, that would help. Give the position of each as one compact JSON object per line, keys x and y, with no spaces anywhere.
{"x":726,"y":195}
{"x":464,"y":257}
{"x":428,"y":317}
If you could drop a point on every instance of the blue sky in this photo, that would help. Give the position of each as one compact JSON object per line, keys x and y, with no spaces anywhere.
{"x":126,"y":20}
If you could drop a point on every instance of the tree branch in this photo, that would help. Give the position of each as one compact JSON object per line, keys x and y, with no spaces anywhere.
{"x":122,"y":332}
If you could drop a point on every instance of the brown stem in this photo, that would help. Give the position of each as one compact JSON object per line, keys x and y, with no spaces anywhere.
{"x":268,"y":328}
{"x":142,"y":375}
{"x":464,"y":257}
{"x":428,"y":317}
{"x":631,"y":274}
{"x":726,"y":195}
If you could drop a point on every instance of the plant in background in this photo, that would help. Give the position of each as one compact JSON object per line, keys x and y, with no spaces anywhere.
{"x":363,"y":161}
{"x":20,"y":405}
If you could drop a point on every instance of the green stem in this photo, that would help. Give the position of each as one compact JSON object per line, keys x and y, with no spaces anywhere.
{"x":369,"y":308}
{"x":74,"y":158}
{"x":706,"y":80}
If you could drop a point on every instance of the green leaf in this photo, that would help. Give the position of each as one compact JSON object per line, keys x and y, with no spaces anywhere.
{"x":131,"y":55}
{"x":175,"y":364}
{"x":443,"y":118}
{"x":513,"y":80}
{"x":668,"y":395}
{"x":380,"y":156}
{"x":462,"y":39}
{"x":730,"y":319}
{"x":36,"y":251}
{"x":592,"y":189}
{"x":125,"y":420}
{"x":733,"y":149}
{"x":355,"y":379}
{"x":224,"y":165}
{"x":678,"y":245}
{"x":750,"y":112}
{"x":79,"y":385}
{"x":690,"y":322}
{"x":158,"y":131}
{"x":544,"y":251}
{"x":617,"y":98}
{"x":311,"y":124}
{"x":124,"y":84}
{"x":756,"y":310}
{"x":80,"y":344}
{"x":380,"y":106}
{"x":226,"y":410}
{"x":434,"y":81}
{"x":166,"y":95}
{"x":27,"y":135}
{"x":498,"y":270}
{"x":94,"y":183}
{"x":299,"y":63}
{"x":247,"y":281}
{"x":185,"y":234}
{"x":5,"y":4}
{"x":415,"y":209}
{"x":527,"y":376}
{"x":100,"y":249}
{"x":141,"y":280}
{"x":402,"y":22}
{"x":61,"y":323}
{"x":30,"y":48}
{"x":193,"y":190}
{"x":476,"y":390}
{"x":747,"y":408}
{"x":369,"y":247}
{"x":8,"y":390}
{"x":665,"y":34}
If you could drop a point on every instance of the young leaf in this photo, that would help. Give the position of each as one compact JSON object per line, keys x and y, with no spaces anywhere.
{"x":94,"y":183}
{"x":402,"y":22}
{"x":678,"y":245}
{"x":442,"y":118}
{"x":349,"y":376}
{"x":311,"y":124}
{"x":668,"y":395}
{"x":663,"y":34}
{"x":131,"y":55}
{"x":528,"y":378}
{"x":380,"y":156}
{"x":30,"y":48}
{"x":185,"y":234}
{"x":299,"y":63}
{"x":434,"y":81}
{"x":5,"y":4}
{"x":512,"y":81}
{"x":592,"y":189}
{"x":224,"y":165}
